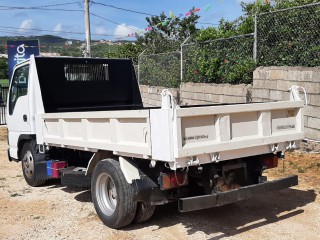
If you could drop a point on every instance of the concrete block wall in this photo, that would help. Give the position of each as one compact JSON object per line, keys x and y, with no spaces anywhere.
{"x":198,"y":93}
{"x":269,"y":84}
{"x":201,"y":93}
{"x":151,"y":96}
{"x":273,"y":83}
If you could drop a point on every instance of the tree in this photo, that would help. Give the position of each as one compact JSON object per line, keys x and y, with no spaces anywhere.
{"x":245,"y":23}
{"x":128,"y":50}
{"x":168,"y":33}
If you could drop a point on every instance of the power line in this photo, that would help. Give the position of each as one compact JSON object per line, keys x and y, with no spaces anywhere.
{"x":47,"y":7}
{"x":10,"y":32}
{"x":123,"y":9}
{"x":61,"y":4}
{"x":36,"y":8}
{"x":44,"y":30}
{"x":43,"y":7}
{"x":108,"y":20}
{"x":215,"y":24}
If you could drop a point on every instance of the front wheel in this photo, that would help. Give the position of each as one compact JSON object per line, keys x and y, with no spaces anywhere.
{"x":27,"y":158}
{"x":112,"y":195}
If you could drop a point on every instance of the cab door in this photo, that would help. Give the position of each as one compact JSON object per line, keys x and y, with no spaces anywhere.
{"x":18,"y":113}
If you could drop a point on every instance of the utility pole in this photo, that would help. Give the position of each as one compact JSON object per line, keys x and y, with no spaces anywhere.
{"x":87,"y":26}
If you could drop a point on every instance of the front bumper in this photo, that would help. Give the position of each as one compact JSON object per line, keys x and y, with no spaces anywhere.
{"x":222,"y":198}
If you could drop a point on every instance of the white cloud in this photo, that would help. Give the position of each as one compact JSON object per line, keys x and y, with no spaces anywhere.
{"x":124,"y":30}
{"x":100,"y":30}
{"x":25,"y":25}
{"x":58,"y":27}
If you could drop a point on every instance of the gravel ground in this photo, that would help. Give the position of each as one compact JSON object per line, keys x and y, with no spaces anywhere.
{"x":55,"y":212}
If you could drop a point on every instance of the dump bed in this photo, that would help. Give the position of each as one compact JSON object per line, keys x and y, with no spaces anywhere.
{"x":181,"y":136}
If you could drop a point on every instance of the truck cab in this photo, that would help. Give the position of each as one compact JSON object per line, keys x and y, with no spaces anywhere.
{"x":20,"y":120}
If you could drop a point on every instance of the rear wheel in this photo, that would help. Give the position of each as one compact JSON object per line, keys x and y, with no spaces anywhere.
{"x":28,"y":164}
{"x":112,"y":195}
{"x":144,"y":212}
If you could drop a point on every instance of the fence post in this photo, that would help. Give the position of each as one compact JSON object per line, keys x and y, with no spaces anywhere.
{"x":181,"y":58}
{"x":255,"y":45}
{"x":139,"y":65}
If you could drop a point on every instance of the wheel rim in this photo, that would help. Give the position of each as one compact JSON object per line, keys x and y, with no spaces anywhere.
{"x":106,"y":194}
{"x":28,"y":164}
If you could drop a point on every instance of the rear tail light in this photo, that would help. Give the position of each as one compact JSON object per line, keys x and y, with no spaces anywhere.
{"x":270,"y":161}
{"x":173,"y":180}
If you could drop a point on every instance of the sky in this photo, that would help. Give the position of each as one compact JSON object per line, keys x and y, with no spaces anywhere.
{"x":106,"y":22}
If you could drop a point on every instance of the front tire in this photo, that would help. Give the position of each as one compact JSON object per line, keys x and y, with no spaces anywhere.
{"x":27,"y":158}
{"x":112,"y":195}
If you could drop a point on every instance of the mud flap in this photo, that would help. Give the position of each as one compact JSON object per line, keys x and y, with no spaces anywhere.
{"x":41,"y":169}
{"x":148,"y":192}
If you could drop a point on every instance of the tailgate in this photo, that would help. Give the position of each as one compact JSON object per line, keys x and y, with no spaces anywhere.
{"x":215,"y":129}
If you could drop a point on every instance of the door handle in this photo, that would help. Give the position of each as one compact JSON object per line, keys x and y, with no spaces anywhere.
{"x":25,"y":118}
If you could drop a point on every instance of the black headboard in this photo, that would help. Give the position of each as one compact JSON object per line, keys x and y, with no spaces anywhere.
{"x":87,"y":84}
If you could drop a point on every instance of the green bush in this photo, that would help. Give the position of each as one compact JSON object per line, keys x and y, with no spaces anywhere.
{"x":160,"y":70}
{"x":220,"y":61}
{"x":3,"y":68}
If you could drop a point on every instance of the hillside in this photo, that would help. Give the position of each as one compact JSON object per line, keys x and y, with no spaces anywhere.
{"x":54,"y":44}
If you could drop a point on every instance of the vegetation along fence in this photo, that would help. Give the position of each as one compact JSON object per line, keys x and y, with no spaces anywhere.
{"x":288,"y":37}
{"x":160,"y":69}
{"x":3,"y":100}
{"x":228,"y":60}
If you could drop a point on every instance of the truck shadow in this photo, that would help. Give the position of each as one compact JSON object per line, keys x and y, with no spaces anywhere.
{"x":84,"y":194}
{"x":225,"y":221}
{"x":233,"y":219}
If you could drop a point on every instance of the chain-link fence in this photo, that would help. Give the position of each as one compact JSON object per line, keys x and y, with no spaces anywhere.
{"x":289,"y":37}
{"x":160,"y":69}
{"x":228,"y":60}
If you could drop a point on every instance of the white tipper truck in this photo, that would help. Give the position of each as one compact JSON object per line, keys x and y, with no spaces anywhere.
{"x":82,"y":120}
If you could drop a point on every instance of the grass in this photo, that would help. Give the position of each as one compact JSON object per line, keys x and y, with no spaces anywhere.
{"x":4,"y":82}
{"x":296,"y":166}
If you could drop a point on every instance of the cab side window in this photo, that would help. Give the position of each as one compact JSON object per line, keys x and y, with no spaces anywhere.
{"x":19,"y":86}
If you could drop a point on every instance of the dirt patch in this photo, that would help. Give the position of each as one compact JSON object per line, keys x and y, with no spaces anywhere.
{"x":305,"y":165}
{"x":56,"y":212}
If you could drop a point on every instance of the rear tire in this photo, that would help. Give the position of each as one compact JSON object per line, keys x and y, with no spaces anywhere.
{"x":28,"y":157}
{"x":144,"y":212}
{"x":112,"y":195}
